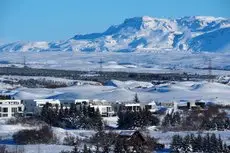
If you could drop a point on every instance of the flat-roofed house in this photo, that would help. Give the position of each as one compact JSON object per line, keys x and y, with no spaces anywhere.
{"x":132,"y":106}
{"x":152,"y":107}
{"x":9,"y":108}
{"x":103,"y":106}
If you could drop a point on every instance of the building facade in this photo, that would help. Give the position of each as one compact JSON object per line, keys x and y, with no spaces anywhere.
{"x":11,"y":108}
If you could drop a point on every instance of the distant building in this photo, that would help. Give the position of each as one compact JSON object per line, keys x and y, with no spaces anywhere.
{"x":131,"y":138}
{"x":105,"y":110}
{"x":191,"y":105}
{"x":132,"y":107}
{"x":82,"y":101}
{"x":9,"y":108}
{"x":184,"y":105}
{"x":152,"y":107}
{"x":200,"y":103}
{"x":35,"y":106}
{"x":103,"y":106}
{"x":167,"y":104}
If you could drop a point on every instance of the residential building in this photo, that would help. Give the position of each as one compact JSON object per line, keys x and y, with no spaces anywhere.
{"x":132,"y":107}
{"x":35,"y":106}
{"x":103,"y":106}
{"x":152,"y":107}
{"x":82,"y":101}
{"x":9,"y":108}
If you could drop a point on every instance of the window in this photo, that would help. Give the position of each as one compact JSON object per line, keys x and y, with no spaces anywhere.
{"x":0,"y":109}
{"x":148,"y":107}
{"x":103,"y":109}
{"x":4,"y":115}
{"x":109,"y":109}
{"x":14,"y":110}
{"x":5,"y":109}
{"x":41,"y":105}
{"x":19,"y":109}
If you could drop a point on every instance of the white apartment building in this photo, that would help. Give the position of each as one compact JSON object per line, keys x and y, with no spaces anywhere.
{"x":103,"y":106}
{"x":104,"y":109}
{"x":132,"y":106}
{"x":9,"y":108}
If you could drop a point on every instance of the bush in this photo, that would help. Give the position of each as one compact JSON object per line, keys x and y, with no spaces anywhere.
{"x":26,"y":121}
{"x":71,"y":140}
{"x":43,"y":135}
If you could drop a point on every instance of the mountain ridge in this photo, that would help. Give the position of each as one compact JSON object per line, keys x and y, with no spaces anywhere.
{"x":191,"y":33}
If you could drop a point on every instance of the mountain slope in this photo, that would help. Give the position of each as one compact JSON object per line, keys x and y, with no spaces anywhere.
{"x":197,"y":33}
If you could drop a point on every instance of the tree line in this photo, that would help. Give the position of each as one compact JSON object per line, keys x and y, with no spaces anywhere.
{"x":75,"y":117}
{"x":211,"y":118}
{"x":199,"y":143}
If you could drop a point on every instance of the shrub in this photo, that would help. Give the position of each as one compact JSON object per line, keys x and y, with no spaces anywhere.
{"x":71,"y":140}
{"x":43,"y":135}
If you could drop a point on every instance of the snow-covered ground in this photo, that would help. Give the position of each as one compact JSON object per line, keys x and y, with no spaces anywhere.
{"x":150,"y":62}
{"x":124,"y":91}
{"x":163,"y":137}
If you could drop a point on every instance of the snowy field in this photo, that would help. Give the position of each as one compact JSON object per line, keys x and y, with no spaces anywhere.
{"x":150,"y":62}
{"x":123,"y":91}
{"x":163,"y":137}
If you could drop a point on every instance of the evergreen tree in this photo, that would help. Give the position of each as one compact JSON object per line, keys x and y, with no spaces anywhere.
{"x":166,"y":121}
{"x":118,"y":147}
{"x":66,"y":112}
{"x":121,"y":119}
{"x":89,"y":151}
{"x":177,"y":143}
{"x":186,"y":143}
{"x":225,"y":149}
{"x":97,"y":149}
{"x":198,"y":146}
{"x":220,"y":144}
{"x":136,"y":99}
{"x":75,"y":150}
{"x":85,"y":149}
{"x":48,"y":114}
{"x":97,"y":119}
{"x":213,"y":143}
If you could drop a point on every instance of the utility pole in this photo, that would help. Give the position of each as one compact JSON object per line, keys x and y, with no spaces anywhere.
{"x":24,"y":61}
{"x":210,"y":69}
{"x":101,"y":62}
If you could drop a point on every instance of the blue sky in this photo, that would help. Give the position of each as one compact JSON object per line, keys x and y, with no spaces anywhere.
{"x":32,"y":20}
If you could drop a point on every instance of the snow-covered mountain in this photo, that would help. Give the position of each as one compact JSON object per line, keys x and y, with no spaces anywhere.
{"x":196,"y":33}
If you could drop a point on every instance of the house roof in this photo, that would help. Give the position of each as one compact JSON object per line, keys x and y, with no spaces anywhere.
{"x":127,"y":133}
{"x":132,"y":104}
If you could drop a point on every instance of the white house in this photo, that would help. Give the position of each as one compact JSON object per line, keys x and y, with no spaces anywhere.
{"x":152,"y":107}
{"x":9,"y":108}
{"x":105,"y":110}
{"x":103,"y":106}
{"x":132,"y":106}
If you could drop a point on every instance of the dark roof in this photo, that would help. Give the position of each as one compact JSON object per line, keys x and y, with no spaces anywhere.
{"x":130,"y":133}
{"x":127,"y":133}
